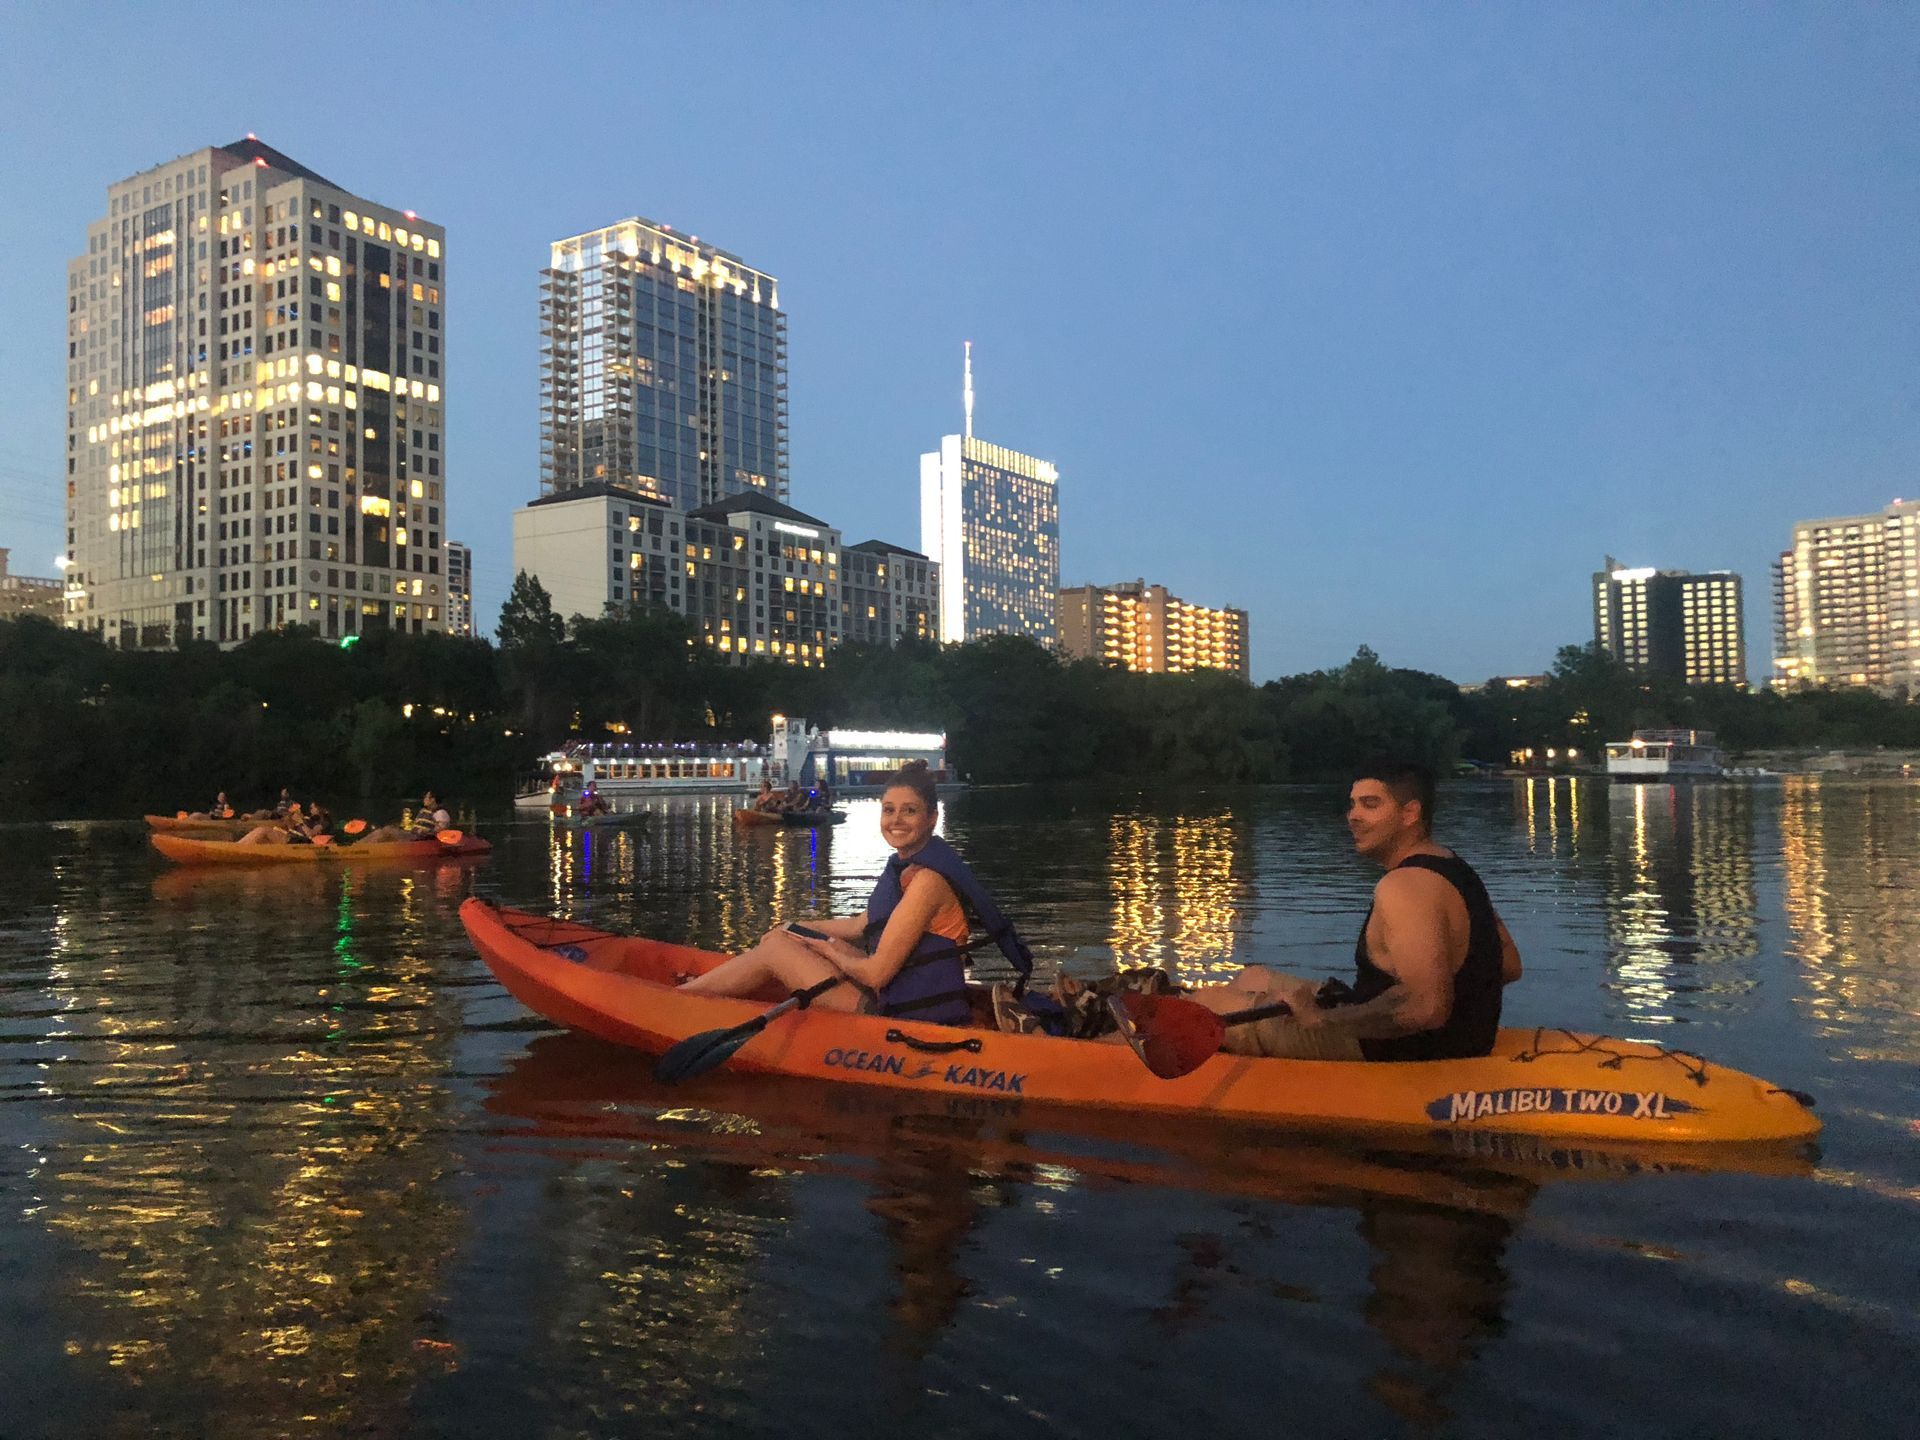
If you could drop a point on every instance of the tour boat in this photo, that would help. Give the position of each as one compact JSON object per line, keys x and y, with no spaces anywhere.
{"x":1666,"y":755}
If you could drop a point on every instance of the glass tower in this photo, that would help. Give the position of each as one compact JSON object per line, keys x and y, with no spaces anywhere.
{"x":990,"y":519}
{"x":663,"y":368}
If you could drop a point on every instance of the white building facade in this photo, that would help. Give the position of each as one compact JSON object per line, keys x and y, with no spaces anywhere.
{"x":256,"y":375}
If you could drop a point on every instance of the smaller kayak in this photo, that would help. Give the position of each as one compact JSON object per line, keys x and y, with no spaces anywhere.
{"x":613,"y":819}
{"x":204,"y":825}
{"x":748,"y":819}
{"x":813,"y":818}
{"x":186,"y":850}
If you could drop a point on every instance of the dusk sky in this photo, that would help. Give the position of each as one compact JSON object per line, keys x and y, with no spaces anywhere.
{"x":1386,"y":323}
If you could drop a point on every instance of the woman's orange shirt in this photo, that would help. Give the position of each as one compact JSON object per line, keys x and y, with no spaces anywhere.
{"x":949,"y":921}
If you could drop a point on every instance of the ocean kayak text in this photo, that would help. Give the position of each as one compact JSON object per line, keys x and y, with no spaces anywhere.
{"x":972,"y":1077}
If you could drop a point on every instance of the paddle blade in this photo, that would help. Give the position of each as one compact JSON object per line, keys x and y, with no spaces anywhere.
{"x":354,"y":827}
{"x":323,"y":839}
{"x":179,"y":814}
{"x":700,"y":1053}
{"x":1173,"y":1037}
{"x":450,"y":838}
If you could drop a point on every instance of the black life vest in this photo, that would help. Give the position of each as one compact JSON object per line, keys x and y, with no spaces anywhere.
{"x":932,"y":985}
{"x":1473,"y":1023}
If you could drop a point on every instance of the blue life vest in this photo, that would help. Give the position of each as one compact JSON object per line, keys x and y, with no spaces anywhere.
{"x":932,"y":985}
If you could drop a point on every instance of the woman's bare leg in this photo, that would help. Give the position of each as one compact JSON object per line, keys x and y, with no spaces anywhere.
{"x":782,"y":959}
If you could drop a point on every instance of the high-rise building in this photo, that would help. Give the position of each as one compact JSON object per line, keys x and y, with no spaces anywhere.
{"x":891,"y":593}
{"x":1846,"y":602}
{"x":1672,"y":623}
{"x":459,"y":589}
{"x":255,"y":421}
{"x":990,"y":518}
{"x":663,"y":368}
{"x":1141,"y":627}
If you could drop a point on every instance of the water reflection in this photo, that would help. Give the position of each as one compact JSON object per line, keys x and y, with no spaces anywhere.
{"x":234,"y":1183}
{"x":1178,"y":885}
{"x":932,"y":1170}
{"x":1681,"y":903}
{"x":1851,"y":879}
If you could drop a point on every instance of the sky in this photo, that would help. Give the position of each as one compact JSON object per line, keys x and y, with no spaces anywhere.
{"x":1387,"y":323}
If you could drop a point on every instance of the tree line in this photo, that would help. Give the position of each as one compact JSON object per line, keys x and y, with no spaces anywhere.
{"x":90,"y":730}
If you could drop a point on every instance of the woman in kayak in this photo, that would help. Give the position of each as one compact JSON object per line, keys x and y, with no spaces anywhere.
{"x":905,"y":956}
{"x":289,"y":829}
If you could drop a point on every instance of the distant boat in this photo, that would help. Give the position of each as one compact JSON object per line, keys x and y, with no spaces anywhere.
{"x":1666,"y":755}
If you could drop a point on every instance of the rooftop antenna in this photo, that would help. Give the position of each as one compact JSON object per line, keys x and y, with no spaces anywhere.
{"x":969,"y":389}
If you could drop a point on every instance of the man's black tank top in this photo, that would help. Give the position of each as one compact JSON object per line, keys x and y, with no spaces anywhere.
{"x":1475,"y":1019}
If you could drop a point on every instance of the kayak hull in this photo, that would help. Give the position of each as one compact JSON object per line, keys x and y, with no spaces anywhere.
{"x":812,"y":819}
{"x":1540,"y":1082}
{"x":188,"y":850}
{"x":206,"y":829}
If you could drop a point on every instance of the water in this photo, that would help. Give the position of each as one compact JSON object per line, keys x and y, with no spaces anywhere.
{"x":278,"y":1157}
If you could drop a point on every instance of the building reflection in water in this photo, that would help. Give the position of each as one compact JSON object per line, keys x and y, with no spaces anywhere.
{"x":246,"y":1188}
{"x":1180,"y":886}
{"x":1681,"y":902}
{"x":1850,"y":857}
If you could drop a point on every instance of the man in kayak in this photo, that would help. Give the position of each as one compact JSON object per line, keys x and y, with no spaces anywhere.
{"x":431,"y":818}
{"x":1431,"y":961}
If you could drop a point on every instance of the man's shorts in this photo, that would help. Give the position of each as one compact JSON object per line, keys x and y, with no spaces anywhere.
{"x":1283,"y":1038}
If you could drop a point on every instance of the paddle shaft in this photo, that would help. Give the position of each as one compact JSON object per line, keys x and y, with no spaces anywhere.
{"x":700,"y":1053}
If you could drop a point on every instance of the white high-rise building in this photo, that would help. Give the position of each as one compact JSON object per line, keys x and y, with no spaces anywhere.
{"x":1846,"y":602}
{"x":256,"y":365}
{"x":990,"y":519}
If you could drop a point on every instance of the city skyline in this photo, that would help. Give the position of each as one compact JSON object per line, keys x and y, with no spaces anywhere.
{"x":1524,"y":285}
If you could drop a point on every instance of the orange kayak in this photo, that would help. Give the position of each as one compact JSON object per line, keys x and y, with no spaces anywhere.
{"x":1538,"y":1082}
{"x":186,"y":825}
{"x":186,"y":850}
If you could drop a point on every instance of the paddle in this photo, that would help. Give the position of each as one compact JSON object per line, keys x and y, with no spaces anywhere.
{"x":353,"y":827}
{"x":1174,"y":1037}
{"x":700,"y":1053}
{"x":449,"y":838}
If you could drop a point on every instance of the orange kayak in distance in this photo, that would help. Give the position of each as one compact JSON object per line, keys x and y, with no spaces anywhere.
{"x":187,"y":850}
{"x":1536,"y":1082}
{"x":187,"y":825}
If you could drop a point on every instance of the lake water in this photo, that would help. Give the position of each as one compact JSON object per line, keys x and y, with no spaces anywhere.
{"x":277,"y":1155}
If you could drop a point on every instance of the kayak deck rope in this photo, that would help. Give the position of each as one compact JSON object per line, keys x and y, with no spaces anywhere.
{"x":1691,"y":1065}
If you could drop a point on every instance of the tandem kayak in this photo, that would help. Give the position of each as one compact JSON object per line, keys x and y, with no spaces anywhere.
{"x":186,"y":850}
{"x":1539,"y":1082}
{"x":613,"y":819}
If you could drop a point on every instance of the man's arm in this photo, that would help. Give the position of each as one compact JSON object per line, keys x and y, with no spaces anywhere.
{"x":1411,"y":931}
{"x":1509,"y":954}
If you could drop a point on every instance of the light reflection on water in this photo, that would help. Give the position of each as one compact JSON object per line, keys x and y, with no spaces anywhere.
{"x":277,"y":1155}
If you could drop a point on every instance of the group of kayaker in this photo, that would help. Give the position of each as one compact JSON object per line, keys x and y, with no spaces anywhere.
{"x":1430,"y":966}
{"x":289,"y":822}
{"x":792,"y":800}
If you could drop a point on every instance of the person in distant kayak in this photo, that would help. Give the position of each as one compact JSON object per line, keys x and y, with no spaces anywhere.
{"x":1431,"y":962}
{"x":768,"y":799}
{"x":289,"y":829}
{"x":431,"y":817}
{"x":590,"y":802}
{"x":283,"y":804}
{"x":906,"y":956}
{"x":219,"y":810}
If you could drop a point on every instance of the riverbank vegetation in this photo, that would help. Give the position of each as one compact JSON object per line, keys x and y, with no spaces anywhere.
{"x":89,"y":730}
